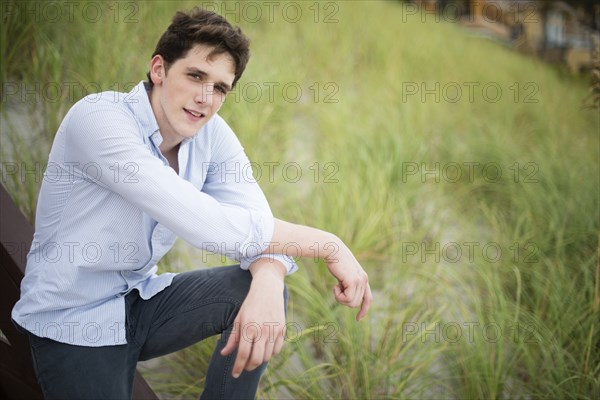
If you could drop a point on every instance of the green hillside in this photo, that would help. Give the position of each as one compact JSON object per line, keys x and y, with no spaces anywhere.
{"x":464,"y":176}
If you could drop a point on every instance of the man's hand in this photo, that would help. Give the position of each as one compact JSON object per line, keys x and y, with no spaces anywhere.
{"x":353,"y":287}
{"x":259,"y":327}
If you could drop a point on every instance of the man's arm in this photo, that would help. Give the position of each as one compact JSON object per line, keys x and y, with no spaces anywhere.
{"x":259,"y":326}
{"x":107,"y":137}
{"x":230,"y":181}
{"x":263,"y":306}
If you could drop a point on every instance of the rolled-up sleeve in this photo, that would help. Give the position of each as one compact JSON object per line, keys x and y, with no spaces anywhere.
{"x":231,"y":181}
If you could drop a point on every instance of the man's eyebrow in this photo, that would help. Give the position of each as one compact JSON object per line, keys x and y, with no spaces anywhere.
{"x":203,"y":74}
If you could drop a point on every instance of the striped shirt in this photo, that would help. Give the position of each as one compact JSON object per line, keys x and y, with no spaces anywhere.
{"x":110,"y":207}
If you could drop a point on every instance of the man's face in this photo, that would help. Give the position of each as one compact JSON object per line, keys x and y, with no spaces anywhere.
{"x":190,"y":93}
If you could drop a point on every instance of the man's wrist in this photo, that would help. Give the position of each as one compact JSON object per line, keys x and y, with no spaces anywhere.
{"x":267,"y":267}
{"x":329,"y":249}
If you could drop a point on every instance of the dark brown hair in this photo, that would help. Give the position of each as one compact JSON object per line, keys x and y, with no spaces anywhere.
{"x":201,"y":26}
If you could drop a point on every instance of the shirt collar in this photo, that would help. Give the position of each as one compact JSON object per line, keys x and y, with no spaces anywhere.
{"x":139,"y":102}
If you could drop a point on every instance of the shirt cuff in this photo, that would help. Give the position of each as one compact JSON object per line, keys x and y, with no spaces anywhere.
{"x":287,"y":261}
{"x":262,"y":227}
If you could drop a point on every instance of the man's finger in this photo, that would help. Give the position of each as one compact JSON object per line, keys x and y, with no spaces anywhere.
{"x":365,"y":304}
{"x":350,"y":296}
{"x":340,"y":295}
{"x":278,"y":344}
{"x":244,"y":351}
{"x":232,"y":341}
{"x":357,"y":295}
{"x":269,"y":347}
{"x":257,"y":354}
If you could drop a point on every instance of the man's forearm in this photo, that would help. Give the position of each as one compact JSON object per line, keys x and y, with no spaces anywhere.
{"x":302,"y":241}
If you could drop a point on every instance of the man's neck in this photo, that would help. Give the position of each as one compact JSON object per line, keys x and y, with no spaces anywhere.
{"x":169,"y":146}
{"x":169,"y":142}
{"x":172,"y":157}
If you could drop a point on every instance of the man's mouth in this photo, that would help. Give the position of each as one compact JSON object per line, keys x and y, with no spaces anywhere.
{"x":195,"y":114}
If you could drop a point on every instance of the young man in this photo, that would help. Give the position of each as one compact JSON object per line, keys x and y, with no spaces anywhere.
{"x":130,"y":172}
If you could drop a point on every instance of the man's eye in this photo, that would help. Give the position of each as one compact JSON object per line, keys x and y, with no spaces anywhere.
{"x":196,"y":77}
{"x":220,"y":89}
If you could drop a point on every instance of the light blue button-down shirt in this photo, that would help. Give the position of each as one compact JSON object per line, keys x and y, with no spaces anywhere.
{"x":110,"y":207}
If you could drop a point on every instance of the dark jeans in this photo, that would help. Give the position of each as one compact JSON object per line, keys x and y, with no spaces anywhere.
{"x":198,"y":304}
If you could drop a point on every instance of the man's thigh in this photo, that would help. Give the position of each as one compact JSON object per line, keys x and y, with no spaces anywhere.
{"x":77,"y":372}
{"x":198,"y":304}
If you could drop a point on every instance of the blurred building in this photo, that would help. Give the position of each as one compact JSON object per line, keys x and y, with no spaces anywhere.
{"x":557,"y":31}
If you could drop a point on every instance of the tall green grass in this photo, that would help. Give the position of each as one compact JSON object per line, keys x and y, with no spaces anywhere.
{"x":519,"y":324}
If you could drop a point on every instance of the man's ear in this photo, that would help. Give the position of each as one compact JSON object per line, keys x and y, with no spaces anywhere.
{"x":157,"y":69}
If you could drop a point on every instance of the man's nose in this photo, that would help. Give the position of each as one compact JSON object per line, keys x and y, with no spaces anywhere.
{"x":205,"y":94}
